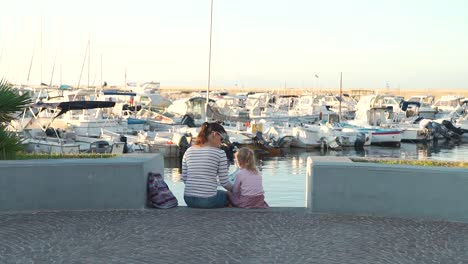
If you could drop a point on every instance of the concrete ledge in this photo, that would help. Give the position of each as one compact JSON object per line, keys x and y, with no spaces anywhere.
{"x":344,"y":187}
{"x":77,"y":184}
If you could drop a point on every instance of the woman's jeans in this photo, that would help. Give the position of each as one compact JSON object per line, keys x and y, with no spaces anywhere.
{"x":218,"y":201}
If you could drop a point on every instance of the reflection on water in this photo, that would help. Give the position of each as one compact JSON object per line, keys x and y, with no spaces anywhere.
{"x":284,"y":176}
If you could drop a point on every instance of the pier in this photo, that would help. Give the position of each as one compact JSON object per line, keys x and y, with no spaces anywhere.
{"x":185,"y":235}
{"x":91,"y":230}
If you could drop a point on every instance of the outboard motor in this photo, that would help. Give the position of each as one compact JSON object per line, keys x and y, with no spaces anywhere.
{"x":418,"y":119}
{"x":259,"y":139}
{"x":230,"y":149}
{"x":188,"y":121}
{"x":183,"y":144}
{"x":52,"y":132}
{"x":439,"y":131}
{"x":458,"y":131}
{"x":360,"y":140}
{"x":124,"y":140}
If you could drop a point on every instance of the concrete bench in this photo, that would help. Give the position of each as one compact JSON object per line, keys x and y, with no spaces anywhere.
{"x":77,"y":184}
{"x":341,"y":186}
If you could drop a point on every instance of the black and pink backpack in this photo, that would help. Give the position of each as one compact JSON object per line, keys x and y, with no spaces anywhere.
{"x":158,"y":193}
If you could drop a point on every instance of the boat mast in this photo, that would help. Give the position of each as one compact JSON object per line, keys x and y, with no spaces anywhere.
{"x":89,"y":56}
{"x":82,"y":66}
{"x":61,"y":61}
{"x":30,"y":65}
{"x":41,"y":50}
{"x":61,"y":55}
{"x":53,"y":69}
{"x":341,"y":96}
{"x":209,"y":65}
{"x":101,"y":73}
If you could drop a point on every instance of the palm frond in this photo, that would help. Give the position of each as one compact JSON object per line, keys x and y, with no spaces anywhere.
{"x":10,"y":102}
{"x":9,"y":144}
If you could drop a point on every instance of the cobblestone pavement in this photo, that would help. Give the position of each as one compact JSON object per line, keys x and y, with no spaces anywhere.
{"x":185,"y":235}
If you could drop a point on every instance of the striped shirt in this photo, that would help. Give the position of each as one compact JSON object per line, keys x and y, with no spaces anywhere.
{"x":202,"y":167}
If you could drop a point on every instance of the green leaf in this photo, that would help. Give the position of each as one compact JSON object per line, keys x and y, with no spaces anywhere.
{"x":10,"y":101}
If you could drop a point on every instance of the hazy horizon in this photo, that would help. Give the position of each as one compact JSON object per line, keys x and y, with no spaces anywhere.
{"x":263,"y":44}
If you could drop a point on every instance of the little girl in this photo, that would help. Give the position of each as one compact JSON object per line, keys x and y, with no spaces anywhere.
{"x":247,"y":191}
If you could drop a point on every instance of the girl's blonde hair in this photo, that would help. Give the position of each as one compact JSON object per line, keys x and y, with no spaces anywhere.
{"x":246,"y":158}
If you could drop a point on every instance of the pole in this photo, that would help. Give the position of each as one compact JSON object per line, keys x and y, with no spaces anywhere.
{"x":30,"y":65}
{"x":53,"y":70}
{"x":209,"y":65}
{"x":82,"y":66}
{"x":101,"y":72}
{"x":341,"y":96}
{"x":41,"y":51}
{"x":89,"y":56}
{"x":61,"y":55}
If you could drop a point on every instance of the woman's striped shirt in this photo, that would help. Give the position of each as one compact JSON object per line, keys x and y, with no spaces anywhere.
{"x":202,"y":167}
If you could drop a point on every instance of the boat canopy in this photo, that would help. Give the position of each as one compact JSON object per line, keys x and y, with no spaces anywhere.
{"x":65,"y":87}
{"x":75,"y":105}
{"x":113,"y":92}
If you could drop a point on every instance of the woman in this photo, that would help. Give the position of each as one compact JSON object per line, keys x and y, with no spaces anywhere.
{"x":203,"y":165}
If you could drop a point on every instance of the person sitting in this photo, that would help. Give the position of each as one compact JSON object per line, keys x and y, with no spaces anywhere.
{"x":203,"y":165}
{"x":247,"y":191}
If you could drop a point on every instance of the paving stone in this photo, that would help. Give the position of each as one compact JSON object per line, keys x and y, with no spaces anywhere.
{"x":185,"y":235}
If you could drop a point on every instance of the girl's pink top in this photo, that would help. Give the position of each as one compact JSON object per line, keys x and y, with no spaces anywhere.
{"x":248,"y":183}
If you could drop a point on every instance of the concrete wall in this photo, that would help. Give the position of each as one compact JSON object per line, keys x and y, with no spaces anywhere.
{"x":77,"y":184}
{"x":345,"y":187}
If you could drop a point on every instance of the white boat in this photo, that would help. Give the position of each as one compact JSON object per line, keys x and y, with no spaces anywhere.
{"x":383,"y":136}
{"x":168,"y":143}
{"x":87,"y":118}
{"x":446,"y":105}
{"x":137,"y":96}
{"x":425,"y":108}
{"x":307,"y":136}
{"x":38,"y":142}
{"x":155,"y":121}
{"x":193,"y":107}
{"x":281,"y":136}
{"x":345,"y":136}
{"x":369,"y":118}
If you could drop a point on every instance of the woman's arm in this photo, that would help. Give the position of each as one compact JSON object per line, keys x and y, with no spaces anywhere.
{"x":236,"y":188}
{"x":184,"y":168}
{"x":223,"y":171}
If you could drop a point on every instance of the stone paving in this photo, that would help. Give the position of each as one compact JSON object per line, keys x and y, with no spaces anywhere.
{"x":185,"y":235}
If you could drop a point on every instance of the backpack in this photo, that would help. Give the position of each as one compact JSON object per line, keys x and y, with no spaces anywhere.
{"x":158,"y":193}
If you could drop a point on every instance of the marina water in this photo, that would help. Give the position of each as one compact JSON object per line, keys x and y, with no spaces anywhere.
{"x":284,"y":175}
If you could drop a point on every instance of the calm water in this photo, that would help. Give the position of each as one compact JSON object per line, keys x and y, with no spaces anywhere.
{"x":284,"y":176}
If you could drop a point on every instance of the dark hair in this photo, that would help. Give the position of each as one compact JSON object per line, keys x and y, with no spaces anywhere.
{"x":206,"y":129}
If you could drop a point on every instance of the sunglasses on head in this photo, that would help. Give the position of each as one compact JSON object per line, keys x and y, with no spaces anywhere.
{"x":222,"y":135}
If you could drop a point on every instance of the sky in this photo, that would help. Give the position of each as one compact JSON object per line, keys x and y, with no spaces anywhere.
{"x":405,"y":44}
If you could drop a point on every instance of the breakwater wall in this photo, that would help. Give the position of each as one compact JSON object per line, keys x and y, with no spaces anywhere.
{"x":340,"y":186}
{"x":77,"y":184}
